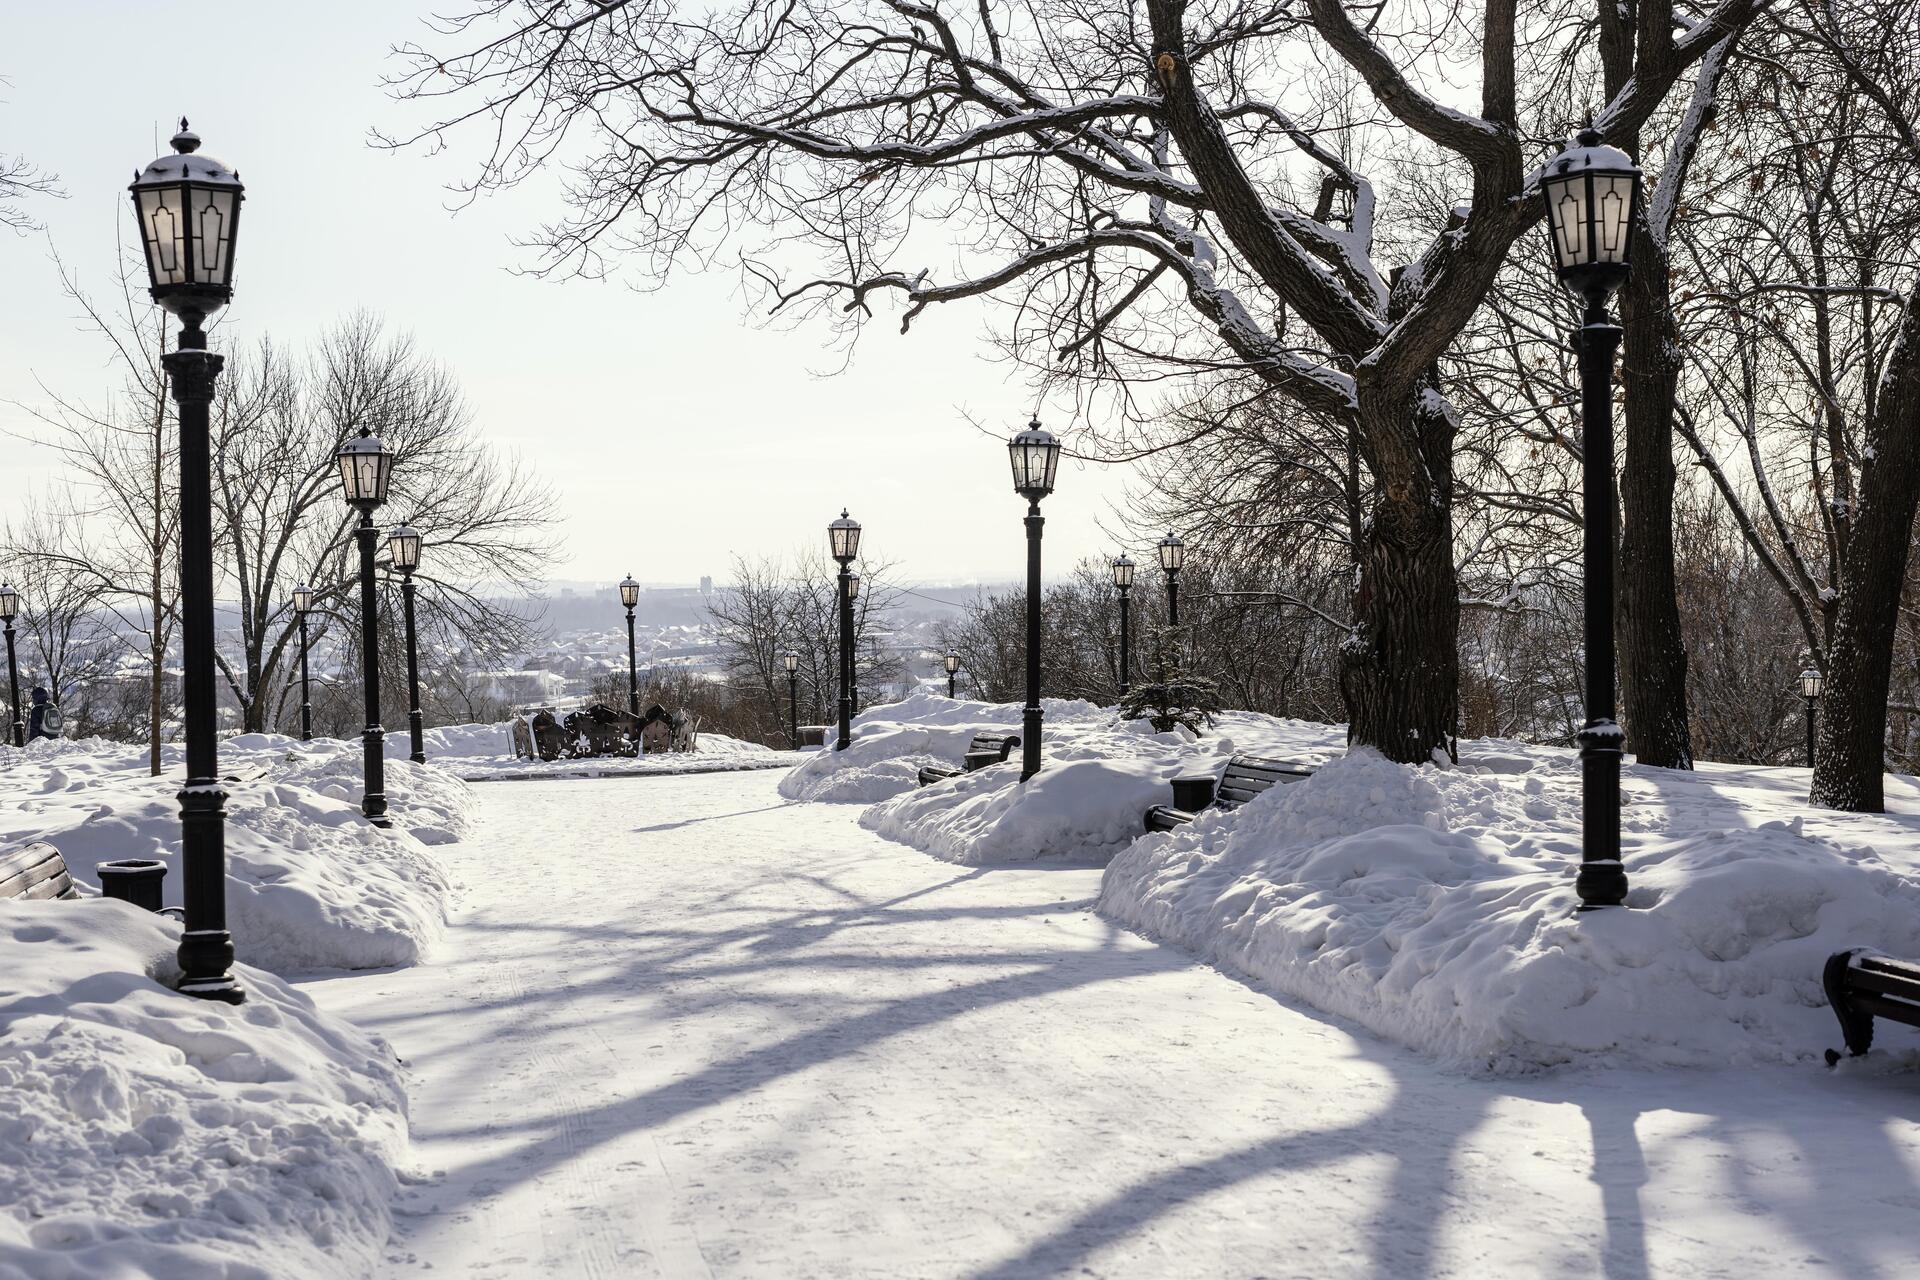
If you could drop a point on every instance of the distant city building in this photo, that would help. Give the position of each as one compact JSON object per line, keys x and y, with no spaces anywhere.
{"x":706,"y":585}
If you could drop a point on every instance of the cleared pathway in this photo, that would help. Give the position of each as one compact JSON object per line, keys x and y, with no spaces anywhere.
{"x":682,"y":1028}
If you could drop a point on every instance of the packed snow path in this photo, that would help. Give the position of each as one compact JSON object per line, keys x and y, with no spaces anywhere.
{"x":683,"y":1028}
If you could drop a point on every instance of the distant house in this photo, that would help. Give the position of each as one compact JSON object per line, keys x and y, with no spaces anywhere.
{"x":520,"y":688}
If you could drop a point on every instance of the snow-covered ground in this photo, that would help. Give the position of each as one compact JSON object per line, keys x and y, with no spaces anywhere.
{"x":484,"y":753}
{"x":736,"y":1036}
{"x":146,"y":1133}
{"x":1434,"y":904}
{"x":310,"y":884}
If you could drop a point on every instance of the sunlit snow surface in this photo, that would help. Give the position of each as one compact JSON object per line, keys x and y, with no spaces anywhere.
{"x":1434,"y":904}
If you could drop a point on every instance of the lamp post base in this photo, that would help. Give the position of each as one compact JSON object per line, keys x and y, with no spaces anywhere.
{"x":416,"y":727}
{"x":373,"y":803}
{"x":1602,"y":879}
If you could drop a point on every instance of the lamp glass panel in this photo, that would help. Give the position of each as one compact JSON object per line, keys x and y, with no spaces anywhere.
{"x":1568,"y":203}
{"x":303,"y":598}
{"x":1173,"y":553}
{"x":163,"y":228}
{"x":1123,"y":573}
{"x":212,"y":227}
{"x":1613,"y":203}
{"x":404,"y":547}
{"x":9,"y":603}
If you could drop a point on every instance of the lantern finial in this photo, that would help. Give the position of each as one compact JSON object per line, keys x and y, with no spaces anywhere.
{"x":186,"y":142}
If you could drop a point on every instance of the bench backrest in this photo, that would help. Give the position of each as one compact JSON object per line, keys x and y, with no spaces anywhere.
{"x":1248,"y":776}
{"x":35,"y":871}
{"x":1003,"y":743}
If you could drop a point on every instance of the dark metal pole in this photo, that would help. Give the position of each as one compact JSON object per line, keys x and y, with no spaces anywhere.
{"x":1030,"y":717}
{"x":846,"y":663}
{"x":415,"y":722}
{"x":373,"y":741}
{"x":206,"y":948}
{"x":950,"y":677}
{"x":1173,"y":598}
{"x":633,"y":675}
{"x":306,"y":691}
{"x":793,"y":709}
{"x":13,"y":679}
{"x":1812,"y":711}
{"x":1126,"y":619}
{"x":1602,"y":881}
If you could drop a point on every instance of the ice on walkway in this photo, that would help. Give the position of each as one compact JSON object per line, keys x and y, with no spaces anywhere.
{"x":737,"y":1037}
{"x":146,"y":1133}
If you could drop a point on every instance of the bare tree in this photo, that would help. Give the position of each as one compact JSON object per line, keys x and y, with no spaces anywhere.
{"x":1115,"y":175}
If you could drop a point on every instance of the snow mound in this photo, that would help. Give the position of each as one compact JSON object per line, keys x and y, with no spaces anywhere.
{"x":484,"y":753}
{"x":1436,"y":907}
{"x":145,"y":1133}
{"x":310,"y":884}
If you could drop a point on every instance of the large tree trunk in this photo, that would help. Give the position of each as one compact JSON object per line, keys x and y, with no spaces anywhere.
{"x":1653,"y":655}
{"x":1400,"y":673}
{"x":1872,"y":571}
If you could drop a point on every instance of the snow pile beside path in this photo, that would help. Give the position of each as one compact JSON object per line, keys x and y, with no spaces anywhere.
{"x":892,"y":741}
{"x":144,"y":1133}
{"x":484,"y":753}
{"x":310,"y":884}
{"x":1436,"y":907}
{"x":1100,"y":775}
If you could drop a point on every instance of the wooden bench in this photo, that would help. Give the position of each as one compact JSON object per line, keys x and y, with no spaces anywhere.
{"x":35,"y":871}
{"x":1245,"y":777}
{"x":1862,"y":986}
{"x":985,"y":749}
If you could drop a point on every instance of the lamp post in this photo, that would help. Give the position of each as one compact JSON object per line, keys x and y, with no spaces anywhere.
{"x":403,"y":548}
{"x":853,"y":649}
{"x":302,"y":605}
{"x":1123,"y":579}
{"x":1173,"y":554}
{"x":187,"y":207}
{"x":630,"y":596}
{"x":365,"y":468}
{"x":9,"y":609}
{"x":843,"y":539}
{"x":953,"y":666}
{"x":1812,"y":684}
{"x":791,"y":661}
{"x":1035,"y":455}
{"x":1590,"y":191}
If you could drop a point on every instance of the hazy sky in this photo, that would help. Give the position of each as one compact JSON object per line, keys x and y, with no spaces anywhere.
{"x":676,"y":431}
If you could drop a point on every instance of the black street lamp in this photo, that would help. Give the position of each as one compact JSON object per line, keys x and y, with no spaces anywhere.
{"x":9,"y":609}
{"x":365,"y":468}
{"x":630,"y":596}
{"x":1812,"y":684}
{"x":953,"y":666}
{"x":792,"y":662}
{"x":1123,"y":579}
{"x":1590,"y":191}
{"x":187,"y":207}
{"x":1173,"y":554}
{"x":843,"y":539}
{"x":1035,"y":455}
{"x":302,"y":605}
{"x":403,"y":548}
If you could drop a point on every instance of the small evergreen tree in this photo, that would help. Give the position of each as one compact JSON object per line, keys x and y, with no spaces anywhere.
{"x":1175,"y":695}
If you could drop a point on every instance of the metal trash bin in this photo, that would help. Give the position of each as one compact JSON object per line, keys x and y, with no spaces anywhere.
{"x":135,"y":880}
{"x":1194,"y":792}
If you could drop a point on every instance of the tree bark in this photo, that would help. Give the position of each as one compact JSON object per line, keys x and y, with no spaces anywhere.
{"x":1399,"y":671}
{"x":1853,"y":730}
{"x":1653,"y":654}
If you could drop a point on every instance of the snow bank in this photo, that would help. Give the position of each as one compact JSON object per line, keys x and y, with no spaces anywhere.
{"x":484,"y":753}
{"x":310,"y":884}
{"x":1100,"y":775}
{"x":1436,"y":907}
{"x":144,"y":1133}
